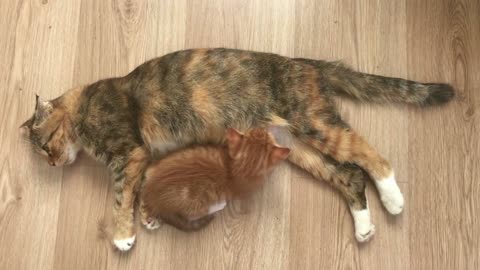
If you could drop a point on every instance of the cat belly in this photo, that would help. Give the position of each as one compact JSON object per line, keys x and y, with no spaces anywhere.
{"x":161,"y":141}
{"x":161,"y":147}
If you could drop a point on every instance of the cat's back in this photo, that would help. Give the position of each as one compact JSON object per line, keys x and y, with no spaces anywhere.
{"x":217,"y":71}
{"x":205,"y":89}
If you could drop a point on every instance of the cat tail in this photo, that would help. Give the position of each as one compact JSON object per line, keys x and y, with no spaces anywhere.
{"x":338,"y":79}
{"x":184,"y":224}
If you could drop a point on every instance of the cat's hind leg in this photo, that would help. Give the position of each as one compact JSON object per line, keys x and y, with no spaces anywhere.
{"x":348,"y":179}
{"x":337,"y":140}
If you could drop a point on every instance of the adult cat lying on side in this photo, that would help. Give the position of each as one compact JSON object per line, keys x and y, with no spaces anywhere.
{"x":191,"y":96}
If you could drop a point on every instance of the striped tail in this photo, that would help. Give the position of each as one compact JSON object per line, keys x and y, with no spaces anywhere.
{"x":339,"y":79}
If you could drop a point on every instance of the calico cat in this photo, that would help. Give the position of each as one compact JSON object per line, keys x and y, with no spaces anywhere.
{"x":192,"y":96}
{"x":185,"y":188}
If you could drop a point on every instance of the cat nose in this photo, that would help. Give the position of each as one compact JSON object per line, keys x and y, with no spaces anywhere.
{"x":52,"y":163}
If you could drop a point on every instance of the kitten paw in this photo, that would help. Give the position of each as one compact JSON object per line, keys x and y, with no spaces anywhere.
{"x":217,"y":207}
{"x":124,"y":244}
{"x":390,"y":195}
{"x":152,"y":223}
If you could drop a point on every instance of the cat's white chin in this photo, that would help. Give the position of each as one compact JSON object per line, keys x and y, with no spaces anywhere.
{"x":390,"y":194}
{"x":364,"y":229}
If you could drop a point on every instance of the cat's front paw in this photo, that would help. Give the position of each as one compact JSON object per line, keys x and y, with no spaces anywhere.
{"x":152,"y":223}
{"x":124,"y":244}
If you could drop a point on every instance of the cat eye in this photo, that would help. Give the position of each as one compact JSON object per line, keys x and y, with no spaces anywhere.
{"x":44,"y":146}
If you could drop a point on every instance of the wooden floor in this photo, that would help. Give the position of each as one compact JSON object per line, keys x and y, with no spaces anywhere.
{"x":49,"y":216}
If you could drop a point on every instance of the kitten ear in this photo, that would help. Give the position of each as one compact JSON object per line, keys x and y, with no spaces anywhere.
{"x":233,"y":136}
{"x":280,"y":153}
{"x":274,"y":130}
{"x":42,"y":110}
{"x":277,"y":131}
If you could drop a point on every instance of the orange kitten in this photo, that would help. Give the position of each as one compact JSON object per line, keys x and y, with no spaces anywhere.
{"x":185,"y":188}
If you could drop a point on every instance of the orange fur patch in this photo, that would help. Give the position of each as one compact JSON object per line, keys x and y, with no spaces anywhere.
{"x":204,"y":106}
{"x":188,"y":182}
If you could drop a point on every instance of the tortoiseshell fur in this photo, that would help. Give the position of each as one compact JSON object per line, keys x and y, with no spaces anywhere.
{"x":192,"y":96}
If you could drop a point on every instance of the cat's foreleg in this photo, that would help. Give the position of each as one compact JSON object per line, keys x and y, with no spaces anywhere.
{"x":127,"y":182}
{"x":148,"y":220}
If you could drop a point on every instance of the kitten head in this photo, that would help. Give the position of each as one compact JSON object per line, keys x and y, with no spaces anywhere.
{"x":256,"y":148}
{"x":50,"y":133}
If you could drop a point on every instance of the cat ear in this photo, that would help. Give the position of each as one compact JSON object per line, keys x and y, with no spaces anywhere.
{"x":25,"y":127}
{"x":234,"y":136}
{"x":273,"y":129}
{"x":42,"y":110}
{"x":276,"y":131}
{"x":37,"y":101}
{"x":280,"y":153}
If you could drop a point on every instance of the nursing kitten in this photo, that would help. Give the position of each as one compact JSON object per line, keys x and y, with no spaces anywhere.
{"x":185,"y":188}
{"x":190,"y":97}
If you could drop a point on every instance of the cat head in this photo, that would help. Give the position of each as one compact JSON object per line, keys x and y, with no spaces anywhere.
{"x":255,"y":147}
{"x":50,"y":133}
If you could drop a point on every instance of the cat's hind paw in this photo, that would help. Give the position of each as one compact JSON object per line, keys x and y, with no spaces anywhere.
{"x":124,"y":244}
{"x":364,"y":229}
{"x":390,"y":195}
{"x":394,"y":204}
{"x":365,"y":234}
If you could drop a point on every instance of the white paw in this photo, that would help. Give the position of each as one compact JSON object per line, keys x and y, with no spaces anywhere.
{"x":217,"y":207}
{"x":390,"y":195}
{"x":366,"y":235}
{"x":152,"y":223}
{"x":124,"y":244}
{"x":364,"y":229}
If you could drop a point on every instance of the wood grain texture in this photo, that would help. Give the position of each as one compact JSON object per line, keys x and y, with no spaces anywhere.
{"x":449,"y":239}
{"x":49,"y":217}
